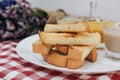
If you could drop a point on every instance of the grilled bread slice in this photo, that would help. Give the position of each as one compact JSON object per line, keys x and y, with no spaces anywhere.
{"x":39,"y":47}
{"x":77,"y":55}
{"x":70,"y":38}
{"x":63,"y":49}
{"x":92,"y":57}
{"x":79,"y":52}
{"x":57,"y":59}
{"x":74,"y":28}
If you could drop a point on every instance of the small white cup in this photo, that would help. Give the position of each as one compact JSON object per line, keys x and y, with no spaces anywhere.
{"x":111,"y":35}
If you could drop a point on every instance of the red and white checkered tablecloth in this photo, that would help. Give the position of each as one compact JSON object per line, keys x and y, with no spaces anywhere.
{"x":13,"y":67}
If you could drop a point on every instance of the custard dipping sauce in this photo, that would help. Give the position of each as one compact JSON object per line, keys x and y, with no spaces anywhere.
{"x":112,"y":38}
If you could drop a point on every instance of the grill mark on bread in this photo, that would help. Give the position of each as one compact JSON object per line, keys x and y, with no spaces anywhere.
{"x":71,"y":35}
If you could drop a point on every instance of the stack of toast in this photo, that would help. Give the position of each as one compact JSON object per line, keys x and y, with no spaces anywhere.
{"x":67,"y":45}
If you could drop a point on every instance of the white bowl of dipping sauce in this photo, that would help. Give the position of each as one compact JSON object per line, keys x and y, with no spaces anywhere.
{"x":111,"y":35}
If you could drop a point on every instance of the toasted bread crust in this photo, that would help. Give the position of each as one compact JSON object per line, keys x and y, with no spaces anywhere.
{"x":74,"y":64}
{"x":70,"y":39}
{"x":63,"y":49}
{"x":77,"y":55}
{"x":73,"y":27}
{"x":57,"y":59}
{"x":39,"y":47}
{"x":92,"y":57}
{"x":79,"y":52}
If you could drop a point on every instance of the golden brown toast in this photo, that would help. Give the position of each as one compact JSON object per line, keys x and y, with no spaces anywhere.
{"x":74,"y":27}
{"x":70,"y":38}
{"x":63,"y":49}
{"x":79,"y":52}
{"x":57,"y":59}
{"x":74,"y":43}
{"x":39,"y":47}
{"x":92,"y":57}
{"x":77,"y":55}
{"x":74,"y":64}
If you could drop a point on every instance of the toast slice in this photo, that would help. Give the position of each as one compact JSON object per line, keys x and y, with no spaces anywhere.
{"x":92,"y":57}
{"x":39,"y":47}
{"x":63,"y":49}
{"x":77,"y":55}
{"x":70,"y":38}
{"x":79,"y":52}
{"x":74,"y":27}
{"x":74,"y":64}
{"x":57,"y":59}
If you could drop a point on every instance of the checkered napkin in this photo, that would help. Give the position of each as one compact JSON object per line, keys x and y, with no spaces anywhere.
{"x":13,"y":67}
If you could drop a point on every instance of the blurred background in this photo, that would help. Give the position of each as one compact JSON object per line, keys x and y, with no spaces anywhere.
{"x":108,"y":9}
{"x":19,"y":19}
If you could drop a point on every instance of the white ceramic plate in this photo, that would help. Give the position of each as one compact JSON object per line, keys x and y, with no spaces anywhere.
{"x":102,"y":65}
